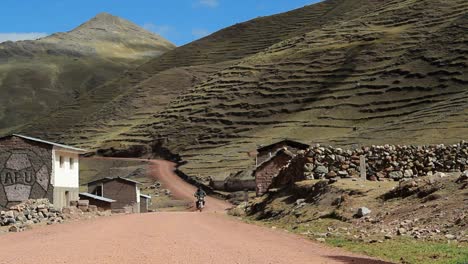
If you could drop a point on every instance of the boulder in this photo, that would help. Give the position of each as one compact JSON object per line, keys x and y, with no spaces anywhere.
{"x":408,"y":173}
{"x":9,"y":214}
{"x":463,"y":177}
{"x":321,"y":170}
{"x":331,"y":174}
{"x":396,"y":175}
{"x":363,"y":211}
{"x":309,"y":167}
{"x":83,"y":203}
{"x":14,"y":228}
{"x":343,"y":174}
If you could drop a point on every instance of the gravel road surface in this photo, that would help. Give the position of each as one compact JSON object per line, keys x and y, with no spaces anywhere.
{"x":210,"y":237}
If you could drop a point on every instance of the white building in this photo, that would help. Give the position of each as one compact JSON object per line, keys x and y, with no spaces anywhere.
{"x":32,"y":168}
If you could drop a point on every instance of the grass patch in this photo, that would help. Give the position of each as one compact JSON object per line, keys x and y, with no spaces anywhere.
{"x":399,"y":249}
{"x":405,"y":250}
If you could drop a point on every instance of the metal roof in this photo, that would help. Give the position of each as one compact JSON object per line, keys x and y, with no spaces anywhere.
{"x":111,"y":179}
{"x":104,"y":199}
{"x":50,"y":143}
{"x":146,"y":196}
{"x":289,"y":142}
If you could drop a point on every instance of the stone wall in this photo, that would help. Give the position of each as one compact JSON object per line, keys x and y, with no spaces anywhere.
{"x":386,"y":162}
{"x":29,"y":212}
{"x":25,"y":171}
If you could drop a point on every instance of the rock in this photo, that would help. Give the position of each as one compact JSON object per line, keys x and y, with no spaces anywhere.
{"x":84,"y":208}
{"x":320,"y":239}
{"x":14,"y":228}
{"x":309,"y":167}
{"x":343,"y":174}
{"x":9,"y":214}
{"x":388,"y":236}
{"x":309,"y":175}
{"x":321,"y":170}
{"x":83,"y":203}
{"x":331,"y":174}
{"x":300,"y":201}
{"x":463,"y":177}
{"x":408,"y":173}
{"x":372,"y":178}
{"x":10,"y":221}
{"x":333,"y":180}
{"x":396,"y":175}
{"x":363,"y":211}
{"x":401,"y":231}
{"x":450,"y":237}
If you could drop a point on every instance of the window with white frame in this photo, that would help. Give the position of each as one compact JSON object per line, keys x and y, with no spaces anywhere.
{"x":61,"y":160}
{"x":72,"y":163}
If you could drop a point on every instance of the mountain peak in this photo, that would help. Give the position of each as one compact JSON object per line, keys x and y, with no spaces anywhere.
{"x":105,"y":28}
{"x":105,"y":20}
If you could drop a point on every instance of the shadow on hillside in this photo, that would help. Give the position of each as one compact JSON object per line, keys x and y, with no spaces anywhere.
{"x":357,"y":260}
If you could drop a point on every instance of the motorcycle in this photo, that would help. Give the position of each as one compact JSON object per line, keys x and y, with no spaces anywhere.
{"x":200,"y":203}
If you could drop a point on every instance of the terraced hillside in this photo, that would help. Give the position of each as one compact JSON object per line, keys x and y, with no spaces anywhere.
{"x":339,"y":72}
{"x":397,"y":74}
{"x":37,"y":76}
{"x":122,"y":106}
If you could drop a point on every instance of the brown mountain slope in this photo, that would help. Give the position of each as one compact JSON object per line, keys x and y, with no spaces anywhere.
{"x":130,"y":101}
{"x":394,"y":72}
{"x":395,"y":75}
{"x":36,"y":76}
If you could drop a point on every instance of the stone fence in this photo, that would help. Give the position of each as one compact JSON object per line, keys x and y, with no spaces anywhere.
{"x":386,"y":162}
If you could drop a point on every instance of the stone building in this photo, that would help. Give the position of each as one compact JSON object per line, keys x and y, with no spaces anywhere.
{"x":31,"y":168}
{"x":272,"y":160}
{"x":269,"y":169}
{"x":125,"y":192}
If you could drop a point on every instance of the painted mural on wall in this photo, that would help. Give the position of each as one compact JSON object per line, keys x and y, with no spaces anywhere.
{"x":25,"y":174}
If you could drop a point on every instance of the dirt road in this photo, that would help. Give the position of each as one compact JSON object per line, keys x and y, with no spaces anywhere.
{"x":163,"y":171}
{"x":180,"y":237}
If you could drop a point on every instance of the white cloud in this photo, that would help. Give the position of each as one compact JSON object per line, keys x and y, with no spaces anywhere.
{"x":16,"y":36}
{"x":200,"y":32}
{"x":158,"y":29}
{"x":208,"y":3}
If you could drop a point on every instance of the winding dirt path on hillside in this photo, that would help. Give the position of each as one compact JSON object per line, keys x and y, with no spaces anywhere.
{"x":164,"y":172}
{"x":167,"y":237}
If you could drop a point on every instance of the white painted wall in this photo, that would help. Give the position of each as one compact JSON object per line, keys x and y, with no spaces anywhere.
{"x":64,"y":175}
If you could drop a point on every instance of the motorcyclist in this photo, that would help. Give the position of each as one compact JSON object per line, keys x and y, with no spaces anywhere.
{"x":200,"y":195}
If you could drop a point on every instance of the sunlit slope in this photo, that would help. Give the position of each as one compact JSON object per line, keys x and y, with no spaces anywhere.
{"x":37,"y":76}
{"x":119,"y":108}
{"x":395,"y":75}
{"x":339,"y":72}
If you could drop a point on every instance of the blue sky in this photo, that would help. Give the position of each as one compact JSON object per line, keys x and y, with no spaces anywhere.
{"x":180,"y":21}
